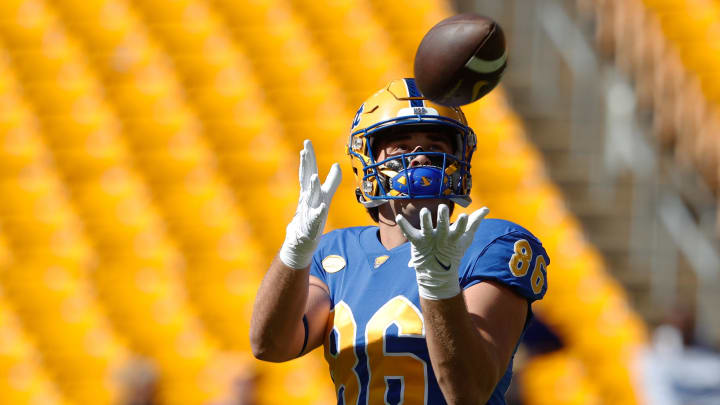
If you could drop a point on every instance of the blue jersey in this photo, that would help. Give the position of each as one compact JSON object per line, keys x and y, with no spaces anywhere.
{"x":375,"y":343}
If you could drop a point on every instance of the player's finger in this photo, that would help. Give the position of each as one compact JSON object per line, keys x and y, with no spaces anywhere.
{"x":475,"y":219}
{"x":458,"y":228}
{"x":443,"y":221}
{"x":311,"y":160}
{"x":426,"y":226}
{"x":332,"y":181}
{"x":316,"y":216}
{"x":408,"y":230}
{"x":314,"y":195}
{"x":303,"y":172}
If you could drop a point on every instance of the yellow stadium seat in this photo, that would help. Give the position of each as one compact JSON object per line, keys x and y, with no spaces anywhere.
{"x":120,"y":63}
{"x":220,"y":64}
{"x":19,"y":147}
{"x":283,"y":54}
{"x":251,"y":145}
{"x":278,"y":27}
{"x":202,"y":214}
{"x":688,"y":25}
{"x":160,"y":131}
{"x":25,"y":24}
{"x":66,"y":323}
{"x":710,"y":87}
{"x":408,"y":21}
{"x":329,"y":137}
{"x":304,"y":380}
{"x":507,"y":173}
{"x":89,"y":123}
{"x":252,"y":12}
{"x":190,"y":36}
{"x":147,"y":300}
{"x":177,"y":163}
{"x":331,"y":15}
{"x":92,"y":11}
{"x":159,"y":11}
{"x":35,"y":194}
{"x":61,"y":97}
{"x":661,"y":5}
{"x":359,"y":51}
{"x":107,"y":34}
{"x":23,"y":378}
{"x":148,"y":96}
{"x":268,"y":167}
{"x":234,"y":100}
{"x":562,"y":374}
{"x":60,"y":60}
{"x":225,"y":291}
{"x":94,"y":158}
{"x":318,"y":102}
{"x":118,"y":208}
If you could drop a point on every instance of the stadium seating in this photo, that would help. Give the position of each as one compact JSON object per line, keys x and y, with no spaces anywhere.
{"x":354,"y":44}
{"x":674,"y":62}
{"x":24,"y":380}
{"x":564,"y":375}
{"x":47,"y":282}
{"x":297,"y":82}
{"x":96,"y":188}
{"x":407,"y":22}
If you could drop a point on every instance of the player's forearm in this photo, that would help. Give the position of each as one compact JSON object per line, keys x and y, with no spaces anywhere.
{"x":276,"y":328}
{"x":462,"y":360}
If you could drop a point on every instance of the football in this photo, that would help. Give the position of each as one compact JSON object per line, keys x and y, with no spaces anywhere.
{"x":460,"y":59}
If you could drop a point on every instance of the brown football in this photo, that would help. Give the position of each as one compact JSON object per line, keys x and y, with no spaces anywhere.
{"x":460,"y":59}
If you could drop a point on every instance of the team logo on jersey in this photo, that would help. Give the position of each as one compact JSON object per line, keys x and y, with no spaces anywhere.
{"x":333,"y":263}
{"x":380,"y":260}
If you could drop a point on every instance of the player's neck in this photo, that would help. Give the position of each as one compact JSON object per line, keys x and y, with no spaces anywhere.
{"x":390,"y":234}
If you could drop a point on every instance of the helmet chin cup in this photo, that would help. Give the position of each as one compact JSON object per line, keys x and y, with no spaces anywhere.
{"x":420,"y":182}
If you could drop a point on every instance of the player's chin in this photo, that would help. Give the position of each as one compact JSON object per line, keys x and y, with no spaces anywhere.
{"x":411,"y":208}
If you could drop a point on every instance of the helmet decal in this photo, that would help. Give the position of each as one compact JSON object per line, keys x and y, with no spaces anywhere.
{"x":414,"y":92}
{"x":356,"y":120}
{"x":409,"y":111}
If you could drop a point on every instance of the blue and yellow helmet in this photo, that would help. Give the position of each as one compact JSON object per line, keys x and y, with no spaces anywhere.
{"x":400,"y":104}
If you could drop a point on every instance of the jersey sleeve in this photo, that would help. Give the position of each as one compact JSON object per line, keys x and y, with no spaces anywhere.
{"x":517,"y":260}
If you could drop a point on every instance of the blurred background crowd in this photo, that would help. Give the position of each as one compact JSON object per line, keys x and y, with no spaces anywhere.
{"x":148,"y":160}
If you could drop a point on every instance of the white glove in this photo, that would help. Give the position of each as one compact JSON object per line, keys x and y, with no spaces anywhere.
{"x":436,"y":253}
{"x":303,"y":233}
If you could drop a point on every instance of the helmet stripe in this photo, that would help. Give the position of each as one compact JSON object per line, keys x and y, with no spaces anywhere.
{"x":414,"y":92}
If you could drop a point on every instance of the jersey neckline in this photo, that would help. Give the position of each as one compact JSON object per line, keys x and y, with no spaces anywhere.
{"x":370,"y":241}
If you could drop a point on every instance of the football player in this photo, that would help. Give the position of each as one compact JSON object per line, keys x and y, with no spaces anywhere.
{"x":415,"y":310}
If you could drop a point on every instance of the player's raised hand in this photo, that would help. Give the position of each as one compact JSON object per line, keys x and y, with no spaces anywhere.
{"x":303,"y":232}
{"x":437,"y":252}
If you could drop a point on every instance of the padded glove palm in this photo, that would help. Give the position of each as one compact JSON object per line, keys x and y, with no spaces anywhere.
{"x":437,"y":252}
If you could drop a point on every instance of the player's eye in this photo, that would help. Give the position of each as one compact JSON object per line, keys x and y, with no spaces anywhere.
{"x":399,"y":148}
{"x":440,"y":147}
